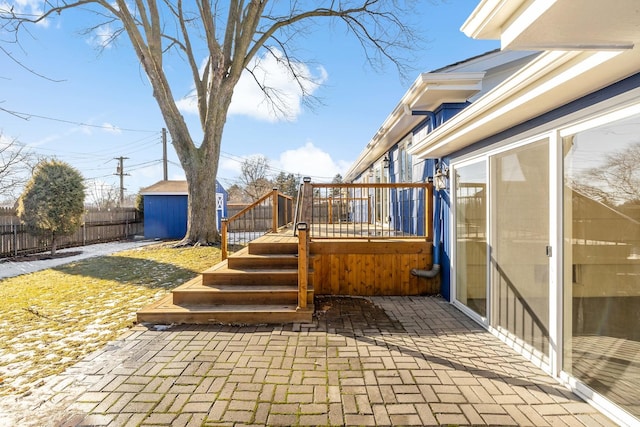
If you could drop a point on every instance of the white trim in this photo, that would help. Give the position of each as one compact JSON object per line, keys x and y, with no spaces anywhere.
{"x":165,"y":193}
{"x":602,"y":404}
{"x":555,"y":261}
{"x":603,"y":119}
{"x":543,"y":84}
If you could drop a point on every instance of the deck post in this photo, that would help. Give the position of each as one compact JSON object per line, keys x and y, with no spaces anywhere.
{"x":307,"y":201}
{"x":303,"y":264}
{"x":224,"y":225}
{"x":274,"y":209}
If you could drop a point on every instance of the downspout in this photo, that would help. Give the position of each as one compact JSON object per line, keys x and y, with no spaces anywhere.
{"x":430,"y":114}
{"x":435,"y":268}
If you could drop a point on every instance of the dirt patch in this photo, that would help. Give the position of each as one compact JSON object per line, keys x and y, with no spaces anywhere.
{"x":349,"y":314}
{"x":43,"y":256}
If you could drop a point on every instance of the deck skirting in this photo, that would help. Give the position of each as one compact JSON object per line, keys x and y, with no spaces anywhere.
{"x":368,"y":268}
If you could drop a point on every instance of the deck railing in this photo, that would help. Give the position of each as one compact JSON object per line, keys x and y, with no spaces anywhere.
{"x":367,"y":211}
{"x":359,"y":211}
{"x":267,"y":214}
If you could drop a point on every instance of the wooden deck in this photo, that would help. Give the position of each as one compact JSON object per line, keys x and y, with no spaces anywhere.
{"x":259,"y":283}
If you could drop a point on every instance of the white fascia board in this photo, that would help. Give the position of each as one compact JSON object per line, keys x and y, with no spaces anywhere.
{"x":524,"y":20}
{"x":487,"y":19}
{"x":428,"y":91}
{"x":523,"y":96}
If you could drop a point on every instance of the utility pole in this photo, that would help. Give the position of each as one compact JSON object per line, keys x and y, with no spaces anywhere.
{"x":164,"y":154}
{"x":120,"y":172}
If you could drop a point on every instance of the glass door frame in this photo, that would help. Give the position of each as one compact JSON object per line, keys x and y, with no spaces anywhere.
{"x":552,"y":364}
{"x":483,"y":320}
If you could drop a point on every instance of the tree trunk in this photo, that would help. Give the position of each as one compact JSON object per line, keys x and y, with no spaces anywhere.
{"x":54,"y":244}
{"x":202,"y":227}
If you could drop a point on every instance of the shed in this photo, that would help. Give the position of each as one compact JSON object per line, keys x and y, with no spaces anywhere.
{"x":165,"y":209}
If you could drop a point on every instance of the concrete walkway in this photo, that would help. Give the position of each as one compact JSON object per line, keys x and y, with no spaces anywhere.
{"x":378,"y":361}
{"x":10,"y":268}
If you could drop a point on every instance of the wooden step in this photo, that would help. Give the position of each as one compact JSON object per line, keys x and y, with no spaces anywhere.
{"x":258,"y":284}
{"x":264,"y":248}
{"x":194,"y":293}
{"x":165,"y":312}
{"x":224,"y":276}
{"x":272,"y":261}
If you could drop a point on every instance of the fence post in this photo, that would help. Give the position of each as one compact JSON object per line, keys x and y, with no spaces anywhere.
{"x":303,"y":264}
{"x":15,"y":239}
{"x":224,"y":225}
{"x":274,"y":210}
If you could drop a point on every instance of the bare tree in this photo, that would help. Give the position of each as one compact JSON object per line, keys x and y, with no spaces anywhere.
{"x":254,"y":177}
{"x":234,"y":33}
{"x":16,"y":164}
{"x":236,"y":194}
{"x":103,"y":196}
{"x":617,"y":181}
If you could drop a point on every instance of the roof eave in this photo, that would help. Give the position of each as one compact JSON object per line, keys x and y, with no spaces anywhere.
{"x":552,"y":79}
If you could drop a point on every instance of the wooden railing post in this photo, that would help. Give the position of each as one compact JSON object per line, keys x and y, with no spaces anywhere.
{"x":274,"y":209}
{"x":307,"y":201}
{"x":224,"y":225}
{"x":303,"y":264}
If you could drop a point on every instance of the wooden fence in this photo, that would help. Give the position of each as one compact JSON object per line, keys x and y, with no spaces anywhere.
{"x":98,"y":226}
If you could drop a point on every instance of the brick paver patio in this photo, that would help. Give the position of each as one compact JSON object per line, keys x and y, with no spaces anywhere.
{"x":377,"y":361}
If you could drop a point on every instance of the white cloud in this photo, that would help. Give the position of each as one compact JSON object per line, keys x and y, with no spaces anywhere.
{"x":111,"y":128}
{"x":31,"y":8}
{"x":229,"y":167}
{"x":272,"y":73}
{"x":312,"y":161}
{"x":102,"y":37}
{"x":5,"y":141}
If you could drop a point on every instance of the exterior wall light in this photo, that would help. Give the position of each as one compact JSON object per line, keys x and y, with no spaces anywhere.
{"x":441,"y":177}
{"x":385,"y":162}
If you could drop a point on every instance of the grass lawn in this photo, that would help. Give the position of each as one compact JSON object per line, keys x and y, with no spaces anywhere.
{"x":52,"y":318}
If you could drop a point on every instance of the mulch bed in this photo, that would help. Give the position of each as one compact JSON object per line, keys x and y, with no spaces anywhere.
{"x":42,"y":256}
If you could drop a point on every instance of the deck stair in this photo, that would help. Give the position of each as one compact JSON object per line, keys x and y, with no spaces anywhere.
{"x":258,"y":284}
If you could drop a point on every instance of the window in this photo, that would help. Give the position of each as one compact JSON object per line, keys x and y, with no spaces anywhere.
{"x":406,"y":162}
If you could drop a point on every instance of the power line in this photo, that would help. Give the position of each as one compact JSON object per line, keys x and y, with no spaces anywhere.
{"x":29,"y":116}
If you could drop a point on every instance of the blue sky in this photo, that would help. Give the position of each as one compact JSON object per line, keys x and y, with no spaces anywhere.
{"x":100,"y":105}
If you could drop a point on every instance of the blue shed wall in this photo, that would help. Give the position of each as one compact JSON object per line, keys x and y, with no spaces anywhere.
{"x":165,"y":217}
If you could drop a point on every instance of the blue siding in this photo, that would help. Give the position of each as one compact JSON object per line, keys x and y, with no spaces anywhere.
{"x":445,"y":244}
{"x":165,"y":217}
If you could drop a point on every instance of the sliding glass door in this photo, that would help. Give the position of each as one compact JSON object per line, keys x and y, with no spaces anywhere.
{"x":471,"y":236}
{"x":519,"y":244}
{"x":502,"y":242}
{"x":602,"y":260}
